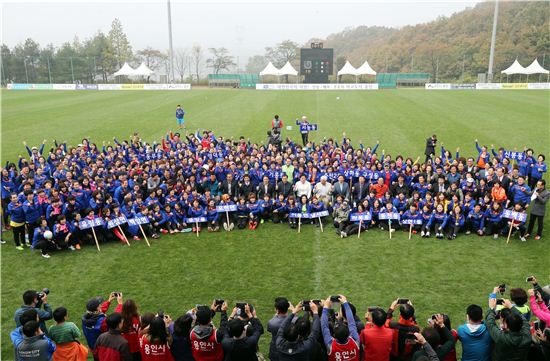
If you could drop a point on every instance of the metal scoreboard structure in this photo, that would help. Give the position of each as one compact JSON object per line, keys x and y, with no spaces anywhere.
{"x":316,"y":63}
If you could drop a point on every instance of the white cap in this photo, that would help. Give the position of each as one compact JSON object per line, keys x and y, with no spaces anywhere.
{"x":304,"y":117}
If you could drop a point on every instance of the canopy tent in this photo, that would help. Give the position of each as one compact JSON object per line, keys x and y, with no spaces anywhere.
{"x":288,"y":69}
{"x":270,"y":69}
{"x":125,"y":70}
{"x":143,"y":70}
{"x":535,"y":68}
{"x":347,"y":69}
{"x":365,"y":69}
{"x":515,"y":68}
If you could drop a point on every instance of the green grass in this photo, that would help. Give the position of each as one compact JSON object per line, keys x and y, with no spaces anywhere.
{"x":179,"y":271}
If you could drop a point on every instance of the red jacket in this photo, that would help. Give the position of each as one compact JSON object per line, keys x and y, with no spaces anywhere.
{"x":111,"y":346}
{"x":376,"y":342}
{"x":154,"y":352}
{"x":104,"y":308}
{"x":132,"y":336}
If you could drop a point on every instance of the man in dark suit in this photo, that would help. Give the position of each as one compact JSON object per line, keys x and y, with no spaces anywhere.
{"x":229,"y":186}
{"x":284,"y":187}
{"x":341,"y":188}
{"x":265,"y":188}
{"x":360,"y":190}
{"x":400,"y":187}
{"x":246,"y":187}
{"x":430,"y":147}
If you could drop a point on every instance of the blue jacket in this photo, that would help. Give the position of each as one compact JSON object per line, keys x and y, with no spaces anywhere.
{"x":476,"y":345}
{"x":212,"y":215}
{"x":537,"y":172}
{"x":43,"y":315}
{"x":520,"y":195}
{"x":32,"y":211}
{"x":492,"y":216}
{"x":91,"y":327}
{"x":438,"y":218}
{"x":477,"y":219}
{"x":16,"y":212}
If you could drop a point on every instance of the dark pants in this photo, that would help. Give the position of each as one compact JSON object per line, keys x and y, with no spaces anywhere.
{"x":532,"y":219}
{"x":493,"y":227}
{"x":5,"y":203}
{"x":30,"y":229}
{"x":45,"y":246}
{"x":241,"y":222}
{"x":19,"y":235}
{"x":305,"y":138}
{"x":278,"y":217}
{"x":472,"y":227}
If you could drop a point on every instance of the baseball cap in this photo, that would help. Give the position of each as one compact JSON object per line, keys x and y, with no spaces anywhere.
{"x":93,"y":304}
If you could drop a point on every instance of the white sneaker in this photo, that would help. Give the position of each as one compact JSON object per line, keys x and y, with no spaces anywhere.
{"x":46,"y":255}
{"x":468,"y":232}
{"x":231,"y":226}
{"x":422,"y":234}
{"x":495,"y":236}
{"x":72,"y":248}
{"x":427,"y":234}
{"x":523,"y":239}
{"x":392,"y":230}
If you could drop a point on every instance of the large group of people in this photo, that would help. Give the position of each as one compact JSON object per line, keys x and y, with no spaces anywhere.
{"x":188,"y":176}
{"x":512,"y":328}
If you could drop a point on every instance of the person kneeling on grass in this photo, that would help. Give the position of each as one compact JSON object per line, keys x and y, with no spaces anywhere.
{"x":426,"y":221}
{"x":455,"y":222}
{"x":196,"y":211}
{"x":517,"y":226}
{"x":316,"y":206}
{"x":63,"y":234}
{"x":493,"y":220}
{"x":353,"y":227}
{"x":242,"y":213}
{"x":160,"y":222}
{"x":266,"y":206}
{"x":411,"y":214}
{"x":212,"y":216}
{"x":147,"y":227}
{"x":40,"y":242}
{"x":390,"y":210}
{"x":340,"y":217}
{"x":226,"y":201}
{"x":475,"y":220}
{"x":65,"y":335}
{"x":438,"y":222}
{"x":254,"y":210}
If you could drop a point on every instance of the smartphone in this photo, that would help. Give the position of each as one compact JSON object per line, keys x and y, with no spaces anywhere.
{"x":402,"y":301}
{"x":305,"y":305}
{"x":219,"y":303}
{"x":241,"y":306}
{"x":529,"y":279}
{"x":536,"y":325}
{"x":500,"y":301}
{"x":502,"y":288}
{"x":335,"y":298}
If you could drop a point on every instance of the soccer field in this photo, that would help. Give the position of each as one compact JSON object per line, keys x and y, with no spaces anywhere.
{"x":180,"y":271}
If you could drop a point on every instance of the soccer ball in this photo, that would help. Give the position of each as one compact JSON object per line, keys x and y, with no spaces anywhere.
{"x":337,"y":98}
{"x":48,"y":235}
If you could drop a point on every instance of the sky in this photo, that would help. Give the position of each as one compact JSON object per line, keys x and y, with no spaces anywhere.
{"x":244,"y":27}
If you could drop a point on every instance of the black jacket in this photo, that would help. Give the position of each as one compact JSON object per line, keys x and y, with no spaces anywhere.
{"x":262,"y":190}
{"x":243,"y":349}
{"x":359,"y":192}
{"x":225,"y":188}
{"x":299,"y":349}
{"x":245,"y":190}
{"x":430,"y":146}
{"x":395,"y":189}
{"x":284,"y":188}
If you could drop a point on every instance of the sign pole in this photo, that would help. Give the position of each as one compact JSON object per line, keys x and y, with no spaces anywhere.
{"x":123,"y":235}
{"x":197,"y":227}
{"x":510,"y":231}
{"x":389,"y":226}
{"x":359,"y":232}
{"x":227,"y":216}
{"x":410,"y":230}
{"x":95,"y":238}
{"x":321,"y":224}
{"x":299,"y":223}
{"x":144,"y":236}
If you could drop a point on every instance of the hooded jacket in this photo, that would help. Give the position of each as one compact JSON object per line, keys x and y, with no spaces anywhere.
{"x":36,"y":348}
{"x":476,"y":342}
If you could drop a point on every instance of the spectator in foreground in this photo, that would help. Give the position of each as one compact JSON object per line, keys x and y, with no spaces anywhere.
{"x":35,"y":345}
{"x":206,"y":340}
{"x":93,"y":321}
{"x":31,"y":301}
{"x":181,"y":343}
{"x":376,"y":338}
{"x":154,"y":344}
{"x":65,"y":334}
{"x":290,"y":344}
{"x":273,"y":325}
{"x":111,"y":346}
{"x":344,"y":341}
{"x":432,"y":335}
{"x":513,"y":340}
{"x":236,"y":344}
{"x":474,"y":335}
{"x":131,"y":327}
{"x":17,"y":335}
{"x":401,"y":350}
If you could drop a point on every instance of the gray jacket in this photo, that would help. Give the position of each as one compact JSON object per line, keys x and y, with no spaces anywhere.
{"x":35,"y":348}
{"x":538,"y":205}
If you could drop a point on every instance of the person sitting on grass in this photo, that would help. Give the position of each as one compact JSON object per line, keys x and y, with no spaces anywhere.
{"x":212,"y":216}
{"x":254,"y":211}
{"x":413,"y":215}
{"x":493,"y":220}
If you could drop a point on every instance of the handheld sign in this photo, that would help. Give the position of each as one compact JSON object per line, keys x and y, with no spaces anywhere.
{"x":354,"y":217}
{"x":389,"y":216}
{"x":514,"y":155}
{"x":318,"y":215}
{"x":226,"y":208}
{"x":298,"y":215}
{"x":115,"y":222}
{"x":90,"y":223}
{"x":137,"y":221}
{"x":308,"y":127}
{"x":196,"y":220}
{"x":416,"y":222}
{"x":515,"y":216}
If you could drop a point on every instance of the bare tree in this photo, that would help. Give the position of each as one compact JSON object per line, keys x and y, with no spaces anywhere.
{"x":152,"y":58}
{"x":181,"y":63}
{"x":196,"y":54}
{"x":220,"y":60}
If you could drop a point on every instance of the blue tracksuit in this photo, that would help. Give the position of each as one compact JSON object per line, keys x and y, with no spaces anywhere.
{"x":521,"y":193}
{"x":32,"y":211}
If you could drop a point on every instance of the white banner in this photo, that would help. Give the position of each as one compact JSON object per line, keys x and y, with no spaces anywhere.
{"x":166,"y":86}
{"x":488,"y":86}
{"x":438,"y":86}
{"x":109,"y":86}
{"x":538,"y":86}
{"x":64,"y":87}
{"x":367,"y":86}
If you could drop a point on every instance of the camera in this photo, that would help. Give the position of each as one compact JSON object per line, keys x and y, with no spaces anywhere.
{"x":44,"y":292}
{"x":536,"y":325}
{"x":241,"y":306}
{"x":402,"y":301}
{"x":529,"y":279}
{"x":116,"y":294}
{"x":500,"y":301}
{"x":219,"y":303}
{"x":335,"y":298}
{"x":502,"y":288}
{"x":305,"y":305}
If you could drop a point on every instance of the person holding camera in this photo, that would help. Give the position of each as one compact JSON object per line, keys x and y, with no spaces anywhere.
{"x":273,"y":325}
{"x":474,"y":336}
{"x":206,"y":340}
{"x":154,"y":344}
{"x":291,"y":345}
{"x":36,"y":300}
{"x":512,"y":339}
{"x":344,"y":341}
{"x":401,"y":349}
{"x":434,"y":335}
{"x":94,"y":319}
{"x":237,"y":345}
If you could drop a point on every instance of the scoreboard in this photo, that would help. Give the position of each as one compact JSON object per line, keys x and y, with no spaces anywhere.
{"x":316,"y":63}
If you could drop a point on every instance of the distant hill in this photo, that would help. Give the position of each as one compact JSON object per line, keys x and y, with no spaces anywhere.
{"x":443,"y":45}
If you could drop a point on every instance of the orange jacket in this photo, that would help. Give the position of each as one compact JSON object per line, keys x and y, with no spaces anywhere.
{"x":498,"y":194}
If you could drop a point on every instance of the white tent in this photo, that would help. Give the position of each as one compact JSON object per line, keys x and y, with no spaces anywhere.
{"x":288,"y":69}
{"x":347,"y":69}
{"x":125,"y":70}
{"x":365,"y":69}
{"x":535,"y":68}
{"x":270,"y":69}
{"x":515,"y":68}
{"x":143,"y":70}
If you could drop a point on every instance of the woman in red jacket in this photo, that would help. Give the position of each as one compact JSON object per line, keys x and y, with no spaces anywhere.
{"x":155,"y":343}
{"x":131,"y":327}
